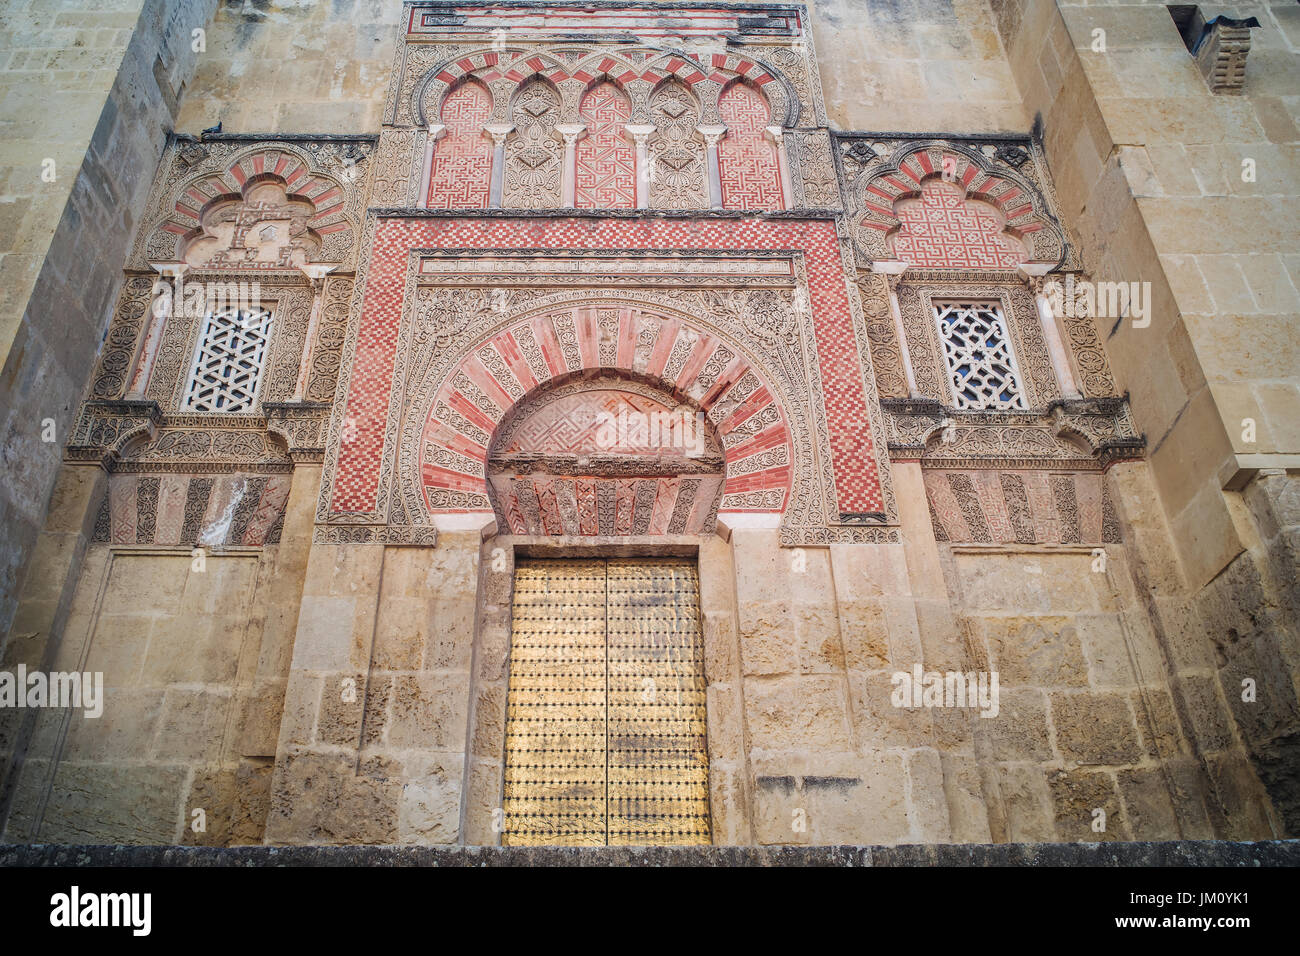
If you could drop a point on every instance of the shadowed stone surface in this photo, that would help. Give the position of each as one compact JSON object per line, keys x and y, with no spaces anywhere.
{"x":1177,"y":853}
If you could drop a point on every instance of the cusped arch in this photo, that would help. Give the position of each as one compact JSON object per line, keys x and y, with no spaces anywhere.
{"x":1019,"y":204}
{"x":942,"y":226}
{"x":686,"y":360}
{"x":721,"y":69}
{"x":488,"y":66}
{"x":748,"y":167}
{"x":262,"y":225}
{"x":604,"y":157}
{"x":509,"y":68}
{"x":315,"y":200}
{"x":606,"y":65}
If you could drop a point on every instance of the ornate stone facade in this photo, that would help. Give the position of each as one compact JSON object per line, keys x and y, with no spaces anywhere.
{"x":608,"y":283}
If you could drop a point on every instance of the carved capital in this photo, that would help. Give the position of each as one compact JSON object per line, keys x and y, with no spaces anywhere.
{"x":301,"y":426}
{"x":711,"y":134}
{"x":499,"y":132}
{"x":640,"y":132}
{"x":316,"y":272}
{"x":911,"y":422}
{"x":892,"y":269}
{"x":571,"y":132}
{"x":106,"y":426}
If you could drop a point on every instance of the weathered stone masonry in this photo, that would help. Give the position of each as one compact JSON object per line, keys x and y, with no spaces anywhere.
{"x":296,"y":573}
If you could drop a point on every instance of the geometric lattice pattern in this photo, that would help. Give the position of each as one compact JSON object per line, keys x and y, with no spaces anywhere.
{"x":978,"y":352}
{"x":228,"y":363}
{"x":747,"y":163}
{"x":605,"y":159}
{"x":462,"y":158}
{"x":942,"y":230}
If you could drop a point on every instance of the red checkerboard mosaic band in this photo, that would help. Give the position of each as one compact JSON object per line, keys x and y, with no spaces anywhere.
{"x":355,"y":488}
{"x":747,"y":164}
{"x":943,"y":229}
{"x":461,"y":175}
{"x":605,"y":159}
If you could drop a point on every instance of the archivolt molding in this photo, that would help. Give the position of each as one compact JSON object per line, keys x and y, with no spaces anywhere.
{"x":652,"y":324}
{"x":329,"y":173}
{"x":878,"y":172}
{"x":778,"y":341}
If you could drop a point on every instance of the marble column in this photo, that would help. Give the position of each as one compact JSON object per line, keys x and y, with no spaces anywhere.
{"x":641,"y":137}
{"x":571,"y":132}
{"x":712,"y":134}
{"x":168,"y":296}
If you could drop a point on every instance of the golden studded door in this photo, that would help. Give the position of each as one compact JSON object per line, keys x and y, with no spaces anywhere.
{"x":605,"y":732}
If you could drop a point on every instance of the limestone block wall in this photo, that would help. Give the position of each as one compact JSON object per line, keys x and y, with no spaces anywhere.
{"x":91,"y":87}
{"x":830,"y":759}
{"x":1093,"y":714}
{"x":373,"y":742}
{"x":194,"y":649}
{"x":914,"y":66}
{"x":1151,"y":169}
{"x":1088,"y":722}
{"x":885,"y":65}
{"x":166,"y":743}
{"x":285,"y":66}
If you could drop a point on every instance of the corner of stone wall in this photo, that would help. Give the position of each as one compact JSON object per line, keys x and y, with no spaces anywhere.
{"x":65,"y":269}
{"x":1213,"y":783}
{"x":44,"y":602}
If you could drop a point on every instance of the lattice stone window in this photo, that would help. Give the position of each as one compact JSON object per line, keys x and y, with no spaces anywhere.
{"x":977,"y":350}
{"x":228,"y":362}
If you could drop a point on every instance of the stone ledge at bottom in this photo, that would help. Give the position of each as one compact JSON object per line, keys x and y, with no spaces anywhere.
{"x":1173,"y":853}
